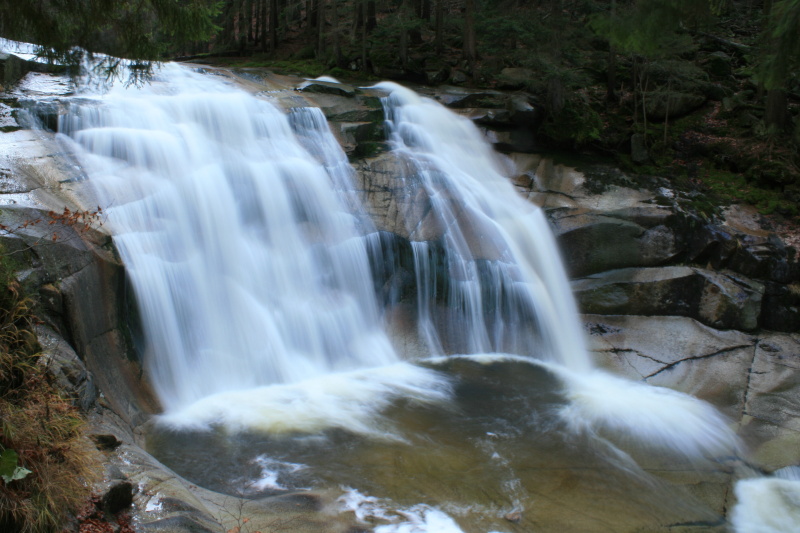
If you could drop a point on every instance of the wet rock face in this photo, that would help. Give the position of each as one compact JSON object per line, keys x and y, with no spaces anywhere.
{"x":624,"y":243}
{"x":719,"y":300}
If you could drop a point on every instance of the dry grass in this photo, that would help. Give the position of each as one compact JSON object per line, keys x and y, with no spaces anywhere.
{"x":42,"y":426}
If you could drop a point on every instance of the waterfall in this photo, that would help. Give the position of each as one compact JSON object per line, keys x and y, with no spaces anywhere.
{"x":252,"y":258}
{"x":501,"y":260}
{"x":237,"y":228}
{"x":508,"y":290}
{"x":249,"y":252}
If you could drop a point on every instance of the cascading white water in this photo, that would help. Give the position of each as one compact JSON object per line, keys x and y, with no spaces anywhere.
{"x":500,"y":254}
{"x":505,"y":272}
{"x":247,"y":258}
{"x":248,"y":252}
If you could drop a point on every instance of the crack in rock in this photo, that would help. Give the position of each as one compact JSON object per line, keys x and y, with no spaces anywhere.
{"x":697,"y":357}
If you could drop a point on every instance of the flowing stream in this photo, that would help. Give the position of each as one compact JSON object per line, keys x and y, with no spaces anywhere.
{"x":250,"y":256}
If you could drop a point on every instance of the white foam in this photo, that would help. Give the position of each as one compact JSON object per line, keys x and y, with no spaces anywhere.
{"x":422,"y":519}
{"x":328,"y":79}
{"x":271,"y":472}
{"x":766,"y":505}
{"x":419,"y":518}
{"x":633,"y":412}
{"x":351,"y":401}
{"x":646,"y":415}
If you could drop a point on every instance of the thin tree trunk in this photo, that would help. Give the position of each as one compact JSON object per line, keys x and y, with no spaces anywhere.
{"x":358,"y":17}
{"x":260,"y":15}
{"x":320,"y":48}
{"x":311,"y":7}
{"x":666,"y":112}
{"x":439,"y":26}
{"x":412,"y":13}
{"x":404,"y":37}
{"x":643,"y":83}
{"x":372,"y":20}
{"x":273,"y":25}
{"x":247,"y":16}
{"x":337,"y":51}
{"x":611,"y":80}
{"x":364,"y":58}
{"x":470,"y":47}
{"x":776,"y":114}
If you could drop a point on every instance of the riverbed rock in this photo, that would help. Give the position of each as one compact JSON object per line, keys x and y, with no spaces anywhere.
{"x":771,"y":421}
{"x":462,"y":98}
{"x":327,"y":87}
{"x":676,"y":352}
{"x":717,"y":299}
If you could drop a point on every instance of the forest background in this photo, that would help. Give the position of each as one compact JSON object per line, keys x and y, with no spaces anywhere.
{"x":705,"y":92}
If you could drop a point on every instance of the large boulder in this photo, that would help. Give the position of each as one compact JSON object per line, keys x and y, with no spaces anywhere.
{"x":594,"y":242}
{"x":462,"y":98}
{"x":719,"y":300}
{"x":672,"y":104}
{"x":327,"y":87}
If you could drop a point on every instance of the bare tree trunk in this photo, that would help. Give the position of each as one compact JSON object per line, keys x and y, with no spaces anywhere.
{"x":439,"y":26}
{"x":372,"y":20}
{"x":358,"y":16}
{"x":425,"y":12}
{"x":337,"y":50}
{"x":311,"y":17}
{"x":258,"y":22}
{"x":320,"y":48}
{"x":611,"y":80}
{"x":777,"y":112}
{"x":412,"y":13}
{"x":404,"y":33}
{"x":247,"y":16}
{"x":470,"y":47}
{"x":273,"y":25}
{"x":364,"y":58}
{"x":666,"y":112}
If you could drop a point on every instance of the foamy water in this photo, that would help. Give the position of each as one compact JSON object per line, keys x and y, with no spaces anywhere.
{"x":768,"y":504}
{"x":353,"y":401}
{"x":419,"y":518}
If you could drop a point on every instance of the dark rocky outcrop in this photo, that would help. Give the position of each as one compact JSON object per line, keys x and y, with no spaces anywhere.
{"x":327,"y":87}
{"x":717,"y":299}
{"x":83,"y":287}
{"x":626,"y":243}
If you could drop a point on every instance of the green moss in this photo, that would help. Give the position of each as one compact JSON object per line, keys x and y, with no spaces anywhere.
{"x":729,"y":187}
{"x":371,"y":149}
{"x":296,"y":67}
